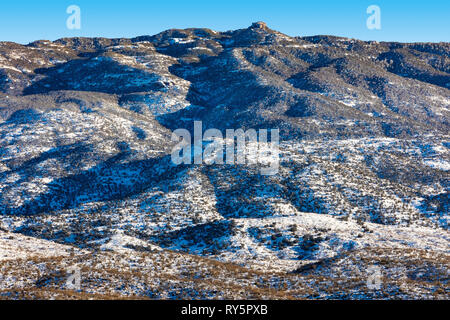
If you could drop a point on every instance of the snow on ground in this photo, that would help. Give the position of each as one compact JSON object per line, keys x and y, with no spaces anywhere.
{"x":16,"y":246}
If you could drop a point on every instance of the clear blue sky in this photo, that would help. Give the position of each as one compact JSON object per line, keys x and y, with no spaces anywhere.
{"x":406,"y":21}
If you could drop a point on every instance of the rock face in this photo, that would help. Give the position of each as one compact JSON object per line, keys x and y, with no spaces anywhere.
{"x":259,"y":25}
{"x":85,"y":143}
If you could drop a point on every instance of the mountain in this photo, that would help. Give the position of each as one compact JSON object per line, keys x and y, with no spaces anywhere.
{"x":86,"y":176}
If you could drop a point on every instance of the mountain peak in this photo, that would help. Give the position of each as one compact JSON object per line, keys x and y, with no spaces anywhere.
{"x":259,"y":25}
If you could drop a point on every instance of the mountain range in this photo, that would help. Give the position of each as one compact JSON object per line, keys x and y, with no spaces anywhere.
{"x":86,"y":177}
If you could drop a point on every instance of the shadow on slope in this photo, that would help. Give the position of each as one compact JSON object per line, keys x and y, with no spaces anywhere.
{"x":113,"y":179}
{"x":100,"y":74}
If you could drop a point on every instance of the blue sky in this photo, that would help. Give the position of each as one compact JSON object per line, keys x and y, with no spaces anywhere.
{"x":405,"y":21}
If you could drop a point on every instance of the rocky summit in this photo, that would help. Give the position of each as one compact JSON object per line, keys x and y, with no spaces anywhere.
{"x":359,"y":207}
